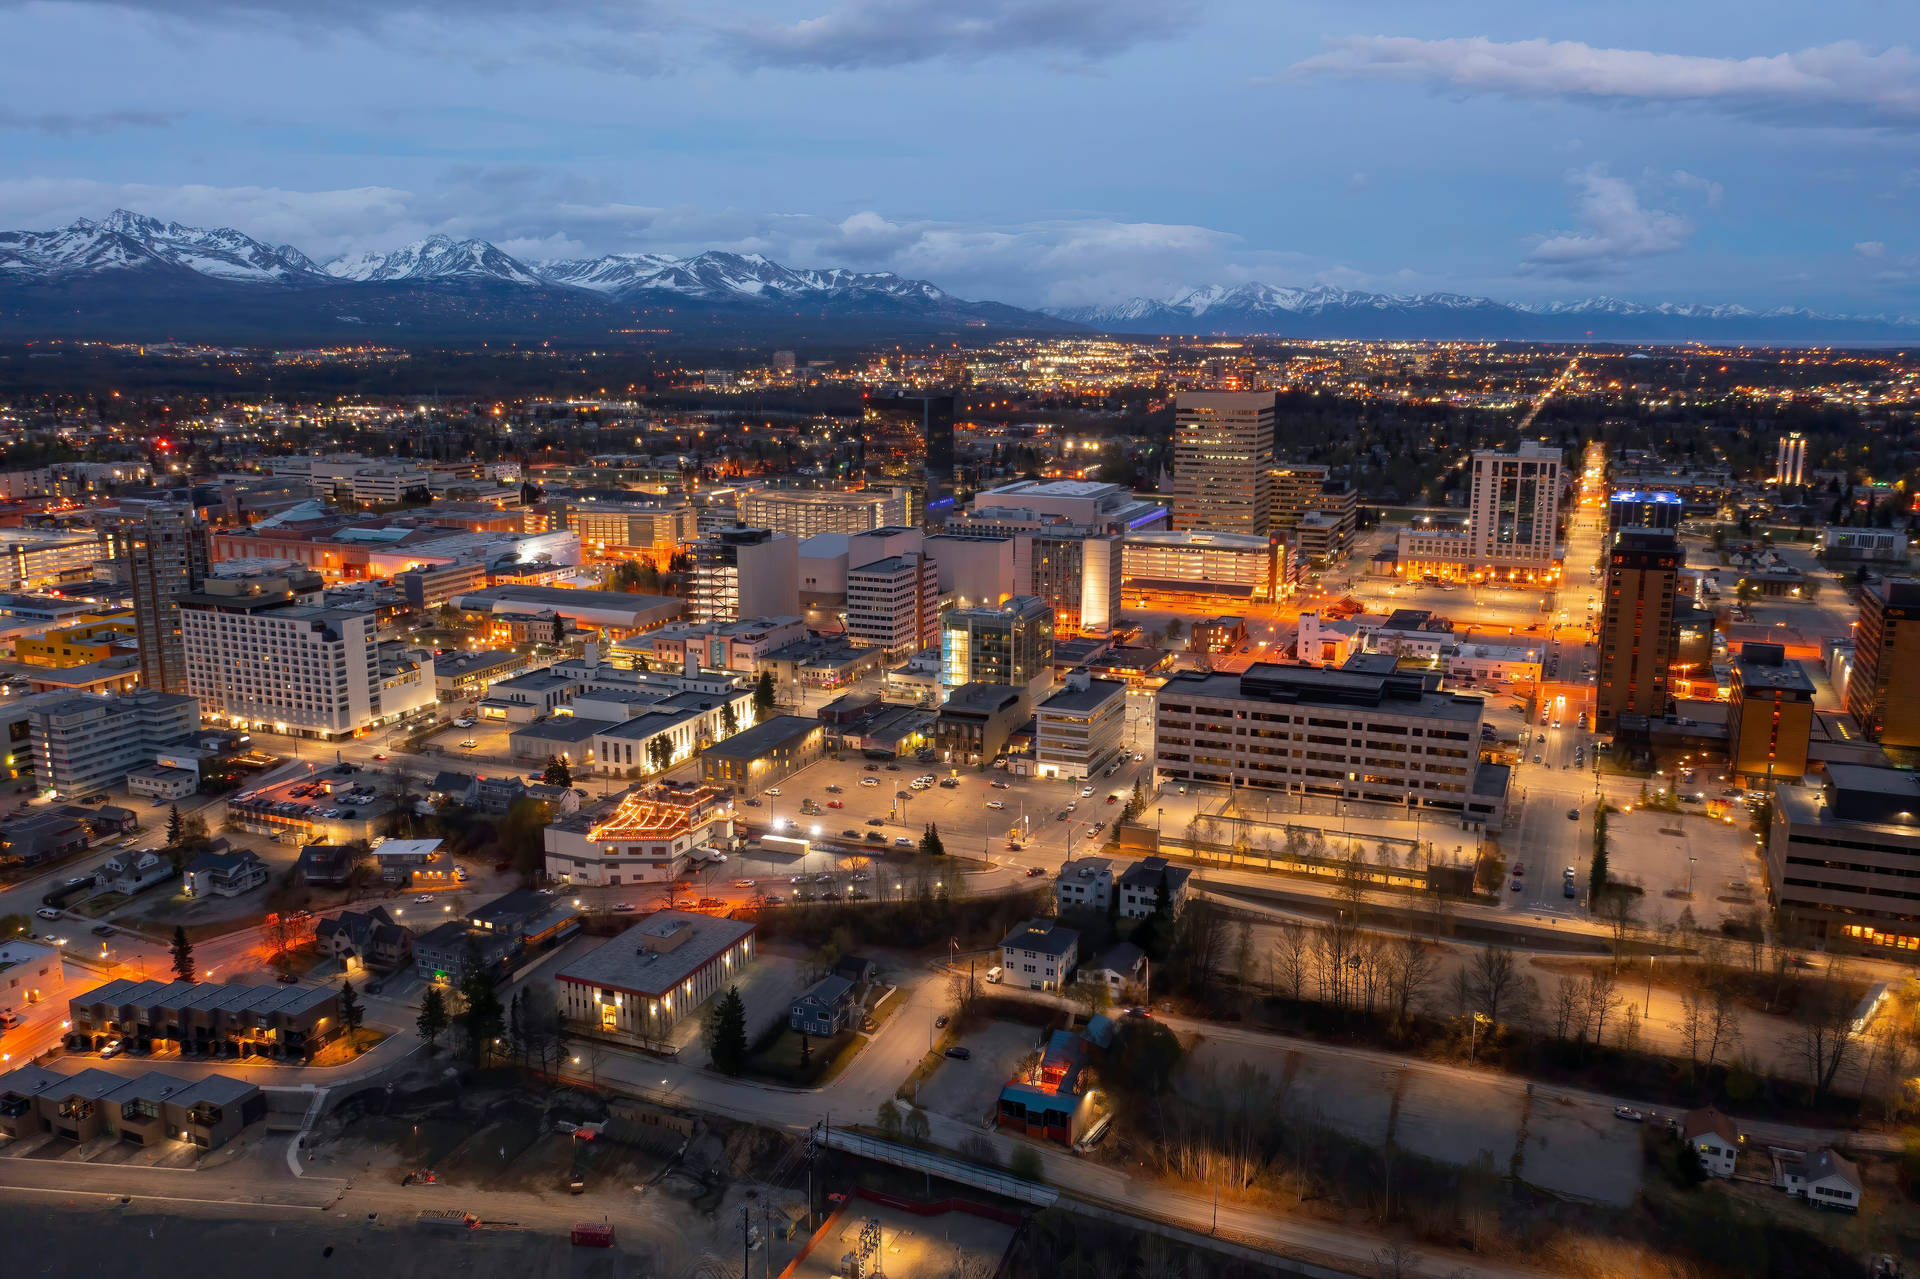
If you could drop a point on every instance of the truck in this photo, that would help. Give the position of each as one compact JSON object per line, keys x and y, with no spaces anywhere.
{"x":591,"y":1234}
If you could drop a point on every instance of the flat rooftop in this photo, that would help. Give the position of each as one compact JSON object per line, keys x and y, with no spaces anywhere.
{"x":636,"y":962}
{"x":911,"y":1246}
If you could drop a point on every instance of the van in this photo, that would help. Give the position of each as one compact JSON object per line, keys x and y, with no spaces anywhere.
{"x":993,"y":975}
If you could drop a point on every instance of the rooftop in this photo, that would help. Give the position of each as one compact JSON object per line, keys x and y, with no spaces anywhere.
{"x":1042,"y":935}
{"x":1072,"y":700}
{"x":224,"y":996}
{"x":768,"y":735}
{"x":658,"y":953}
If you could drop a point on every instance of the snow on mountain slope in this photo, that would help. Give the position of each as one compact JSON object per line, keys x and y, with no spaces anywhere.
{"x":438,"y":257}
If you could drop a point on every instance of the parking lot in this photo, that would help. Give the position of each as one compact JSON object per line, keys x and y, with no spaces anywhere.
{"x":969,"y":1090}
{"x":1662,"y":852}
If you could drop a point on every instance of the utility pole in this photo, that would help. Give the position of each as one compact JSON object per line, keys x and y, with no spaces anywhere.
{"x":746,"y":1252}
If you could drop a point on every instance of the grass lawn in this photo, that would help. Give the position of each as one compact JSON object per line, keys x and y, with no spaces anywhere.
{"x":344,"y":1049}
{"x":94,"y":907}
{"x":780,"y":1061}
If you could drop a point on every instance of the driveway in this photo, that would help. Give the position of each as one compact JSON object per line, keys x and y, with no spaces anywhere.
{"x":968,"y":1090}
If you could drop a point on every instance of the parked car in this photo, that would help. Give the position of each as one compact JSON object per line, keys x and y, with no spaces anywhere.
{"x":995,"y":804}
{"x":960,"y":1054}
{"x":1629,"y":1114}
{"x":47,"y":912}
{"x":901,"y":841}
{"x":940,"y":1022}
{"x":1034,"y":870}
{"x":102,"y":930}
{"x":876,"y":821}
{"x":850,"y":833}
{"x":1001,"y":785}
{"x":774,"y":791}
{"x":424,"y":899}
{"x":1086,"y":792}
{"x":1573,"y":814}
{"x":287,"y":979}
{"x":623,"y":908}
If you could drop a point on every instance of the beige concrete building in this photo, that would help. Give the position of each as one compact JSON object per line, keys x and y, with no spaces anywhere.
{"x":1637,"y":633}
{"x":1222,"y":458}
{"x":1840,"y":861}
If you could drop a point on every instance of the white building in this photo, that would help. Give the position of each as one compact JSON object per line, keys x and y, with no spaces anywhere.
{"x":1085,"y":883}
{"x":260,"y":657}
{"x":894,"y":604}
{"x":83,"y":742}
{"x":975,"y":568}
{"x":646,"y":837}
{"x":808,"y":512}
{"x":1081,"y":729}
{"x":745,"y":572}
{"x":1491,"y":663}
{"x":1515,"y":511}
{"x":1039,"y":955}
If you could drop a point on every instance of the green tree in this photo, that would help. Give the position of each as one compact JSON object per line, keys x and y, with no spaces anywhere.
{"x":1025,"y":1164}
{"x":432,"y":1022}
{"x":182,"y":954}
{"x":729,"y":720}
{"x":727,"y":1033}
{"x":521,"y":835}
{"x":930,"y":842}
{"x":481,"y":1014}
{"x":557,"y":773}
{"x":173,"y":824}
{"x":660,"y":751}
{"x":353,"y":1014}
{"x":12,"y":926}
{"x":763,"y":695}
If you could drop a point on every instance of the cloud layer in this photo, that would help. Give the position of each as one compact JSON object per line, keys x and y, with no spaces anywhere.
{"x":1835,"y":84}
{"x":875,"y":33}
{"x":1615,"y":229}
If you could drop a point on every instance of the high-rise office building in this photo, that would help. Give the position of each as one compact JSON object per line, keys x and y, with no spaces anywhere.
{"x":1883,"y":687}
{"x":1637,"y":632}
{"x":741,"y":573}
{"x":1769,"y":715}
{"x":1790,"y":459}
{"x":1077,"y":572}
{"x":1222,"y":460}
{"x":1642,"y":508}
{"x":894,"y":604}
{"x":908,"y":440}
{"x":1295,"y":491}
{"x":1515,"y":506}
{"x":1008,"y":644}
{"x":163,"y":550}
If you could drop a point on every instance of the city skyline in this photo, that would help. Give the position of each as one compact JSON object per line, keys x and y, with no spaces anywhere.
{"x":1763,"y":167}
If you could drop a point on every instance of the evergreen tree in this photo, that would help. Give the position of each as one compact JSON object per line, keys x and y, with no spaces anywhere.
{"x":930,"y":842}
{"x":729,"y":720}
{"x":433,"y":1017}
{"x":173,"y":824}
{"x":660,"y":751}
{"x":352,"y":1013}
{"x":763,"y":695}
{"x":557,"y":773}
{"x":727,"y":1033}
{"x":482,"y":1014}
{"x":182,"y":954}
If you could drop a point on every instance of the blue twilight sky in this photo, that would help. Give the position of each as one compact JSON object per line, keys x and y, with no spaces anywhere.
{"x":1045,"y":152}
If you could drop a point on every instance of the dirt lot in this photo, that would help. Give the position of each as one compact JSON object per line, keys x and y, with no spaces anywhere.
{"x":1651,"y":848}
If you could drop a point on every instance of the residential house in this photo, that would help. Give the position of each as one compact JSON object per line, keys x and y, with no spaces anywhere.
{"x":413,"y":862}
{"x":452,"y":788}
{"x":1714,"y":1137}
{"x":133,"y":870}
{"x":857,"y":969}
{"x":1825,"y":1178}
{"x":327,"y":865}
{"x":560,"y":800}
{"x":368,"y":938}
{"x":1143,"y":883}
{"x":224,"y":874}
{"x":1121,"y":967}
{"x":498,"y":794}
{"x":823,"y":1009}
{"x":447,"y":953}
{"x":1053,"y":1102}
{"x":1085,"y":883}
{"x":1039,"y":954}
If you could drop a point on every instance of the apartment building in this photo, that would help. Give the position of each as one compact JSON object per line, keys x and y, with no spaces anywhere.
{"x":164,"y":553}
{"x":1638,"y":637}
{"x":1769,"y":715}
{"x":1515,"y":509}
{"x":1362,"y":732}
{"x":1295,"y":491}
{"x":629,"y":530}
{"x":1840,"y":861}
{"x":149,"y":1109}
{"x":224,"y":1019}
{"x":1222,"y":456}
{"x":1883,"y":686}
{"x":1076,"y":571}
{"x":894,"y":604}
{"x":808,"y":512}
{"x":259,"y":655}
{"x":85,"y":742}
{"x":1085,"y":883}
{"x":1081,"y":730}
{"x":34,"y":557}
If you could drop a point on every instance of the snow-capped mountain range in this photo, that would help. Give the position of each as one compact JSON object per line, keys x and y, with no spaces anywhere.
{"x":131,"y":275}
{"x":1334,"y":312}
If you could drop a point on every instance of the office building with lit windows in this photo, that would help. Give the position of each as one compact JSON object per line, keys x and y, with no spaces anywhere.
{"x":1011,"y":644}
{"x":1638,"y":635}
{"x":1222,"y":461}
{"x":638,"y":986}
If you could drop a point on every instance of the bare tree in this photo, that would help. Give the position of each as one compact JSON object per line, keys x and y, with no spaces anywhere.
{"x":1410,"y":968}
{"x":1601,"y":1001}
{"x":1396,"y":1261}
{"x":1292,"y":956}
{"x":1493,"y":977}
{"x":1565,"y":1009}
{"x":1620,"y":912}
{"x":1823,"y":1029}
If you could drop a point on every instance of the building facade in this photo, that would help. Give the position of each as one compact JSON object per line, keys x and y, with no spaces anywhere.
{"x":1222,"y":456}
{"x":84,"y":742}
{"x":1883,"y":687}
{"x":1010,"y":644}
{"x":1349,"y":734}
{"x":647,"y":837}
{"x":1769,"y":716}
{"x":1840,"y":859}
{"x":1637,"y":632}
{"x":1201,"y":568}
{"x":894,"y":604}
{"x":638,"y":986}
{"x":745,"y":572}
{"x":164,"y":555}
{"x":804,"y":513}
{"x":1081,"y":730}
{"x":1515,"y":506}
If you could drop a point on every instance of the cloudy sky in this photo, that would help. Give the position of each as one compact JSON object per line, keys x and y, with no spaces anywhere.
{"x":1037,"y":151}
